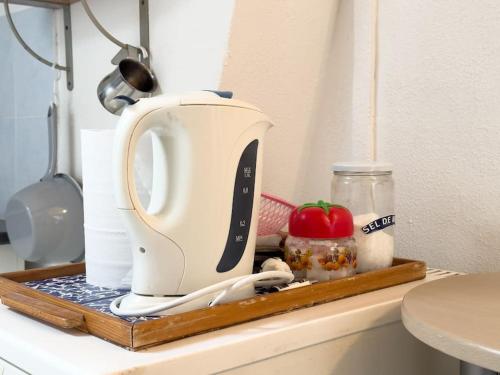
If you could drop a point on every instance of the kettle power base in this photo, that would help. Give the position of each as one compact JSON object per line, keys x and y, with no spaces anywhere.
{"x":59,"y":296}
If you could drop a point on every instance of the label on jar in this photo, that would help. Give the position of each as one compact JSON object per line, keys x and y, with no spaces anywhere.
{"x":379,"y":224}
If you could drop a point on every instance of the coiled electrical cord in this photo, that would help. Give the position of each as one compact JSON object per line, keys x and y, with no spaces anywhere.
{"x":227,"y":287}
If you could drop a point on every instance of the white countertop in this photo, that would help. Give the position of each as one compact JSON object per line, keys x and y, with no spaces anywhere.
{"x":458,"y":316}
{"x":41,"y":349}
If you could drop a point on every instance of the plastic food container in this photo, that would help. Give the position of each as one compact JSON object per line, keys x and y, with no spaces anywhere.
{"x":367,"y":190}
{"x":320,"y":245}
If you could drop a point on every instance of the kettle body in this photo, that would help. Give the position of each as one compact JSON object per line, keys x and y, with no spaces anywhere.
{"x":201,"y":223}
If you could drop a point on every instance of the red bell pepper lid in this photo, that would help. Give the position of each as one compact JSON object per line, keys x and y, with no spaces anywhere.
{"x":321,"y":220}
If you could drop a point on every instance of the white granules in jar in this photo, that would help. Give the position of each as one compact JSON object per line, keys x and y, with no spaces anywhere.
{"x":376,"y":249}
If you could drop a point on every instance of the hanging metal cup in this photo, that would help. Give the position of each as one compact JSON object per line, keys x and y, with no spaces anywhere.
{"x":130,"y":81}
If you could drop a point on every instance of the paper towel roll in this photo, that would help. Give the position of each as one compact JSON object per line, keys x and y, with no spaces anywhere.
{"x":108,"y":258}
{"x":100,"y":212}
{"x":108,"y":254}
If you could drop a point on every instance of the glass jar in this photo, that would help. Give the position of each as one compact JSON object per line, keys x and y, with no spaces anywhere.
{"x":321,"y":259}
{"x":367,"y":190}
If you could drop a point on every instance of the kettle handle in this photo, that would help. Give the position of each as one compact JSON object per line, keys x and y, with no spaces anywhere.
{"x":152,"y":250}
{"x":169,"y":143}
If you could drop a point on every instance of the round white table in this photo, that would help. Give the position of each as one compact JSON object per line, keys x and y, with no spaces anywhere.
{"x":459,"y":316}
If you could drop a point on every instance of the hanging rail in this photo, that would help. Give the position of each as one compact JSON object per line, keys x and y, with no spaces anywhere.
{"x":67,"y":40}
{"x":127,"y":50}
{"x":49,"y":4}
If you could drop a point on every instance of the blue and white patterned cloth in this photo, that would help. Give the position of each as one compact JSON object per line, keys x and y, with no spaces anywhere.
{"x":75,"y":289}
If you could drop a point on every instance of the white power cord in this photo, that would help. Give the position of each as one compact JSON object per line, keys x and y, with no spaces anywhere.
{"x":227,"y":287}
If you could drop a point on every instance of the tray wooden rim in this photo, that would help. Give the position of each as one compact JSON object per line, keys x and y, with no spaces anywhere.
{"x":143,"y":334}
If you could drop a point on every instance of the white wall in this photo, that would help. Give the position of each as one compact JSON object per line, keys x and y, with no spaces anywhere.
{"x":286,"y":59}
{"x":439,"y":115}
{"x":438,"y":110}
{"x":188,"y":46}
{"x":279,"y":57}
{"x":308,"y":68}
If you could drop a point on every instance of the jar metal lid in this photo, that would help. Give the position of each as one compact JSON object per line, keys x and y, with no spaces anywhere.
{"x":362,"y":167}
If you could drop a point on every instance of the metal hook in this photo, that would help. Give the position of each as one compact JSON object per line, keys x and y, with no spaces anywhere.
{"x":126,"y":50}
{"x":99,"y":27}
{"x":23,"y":43}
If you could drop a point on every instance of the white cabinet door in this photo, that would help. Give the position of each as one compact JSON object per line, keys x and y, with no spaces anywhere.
{"x":9,"y":261}
{"x":387,"y":350}
{"x":7,"y":369}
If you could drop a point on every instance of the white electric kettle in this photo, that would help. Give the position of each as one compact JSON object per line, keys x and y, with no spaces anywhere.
{"x":200,"y":226}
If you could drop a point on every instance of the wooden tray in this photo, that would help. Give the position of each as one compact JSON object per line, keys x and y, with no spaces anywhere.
{"x":142,"y":334}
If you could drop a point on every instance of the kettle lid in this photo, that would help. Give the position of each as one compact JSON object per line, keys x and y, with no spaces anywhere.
{"x":214,"y":98}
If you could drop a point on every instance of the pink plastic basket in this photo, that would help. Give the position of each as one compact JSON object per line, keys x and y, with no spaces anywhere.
{"x":273,"y":215}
